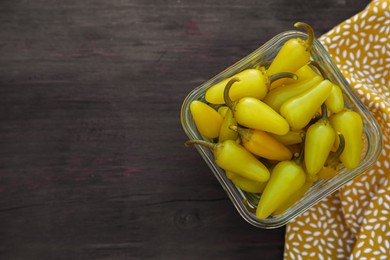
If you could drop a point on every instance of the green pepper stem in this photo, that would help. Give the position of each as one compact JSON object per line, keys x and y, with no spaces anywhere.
{"x":200,"y":142}
{"x":318,"y":67}
{"x":299,"y":157}
{"x":244,"y":133}
{"x":324,"y":112}
{"x":265,"y":63}
{"x":341,"y":147}
{"x":310,"y":34}
{"x":226,"y":96}
{"x":281,"y":75}
{"x":334,"y":156}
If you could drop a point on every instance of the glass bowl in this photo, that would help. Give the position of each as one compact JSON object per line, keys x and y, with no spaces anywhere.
{"x":245,"y":202}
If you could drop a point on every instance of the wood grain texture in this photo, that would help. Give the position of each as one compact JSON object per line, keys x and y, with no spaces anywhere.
{"x":92,"y":162}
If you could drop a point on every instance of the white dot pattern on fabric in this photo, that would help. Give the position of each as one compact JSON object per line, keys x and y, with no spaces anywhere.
{"x":354,"y":223}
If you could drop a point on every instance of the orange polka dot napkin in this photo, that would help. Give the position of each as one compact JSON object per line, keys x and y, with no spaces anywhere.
{"x":354,"y":223}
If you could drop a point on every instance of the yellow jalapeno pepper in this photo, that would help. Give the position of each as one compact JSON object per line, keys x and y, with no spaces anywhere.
{"x":207,"y":120}
{"x":333,"y":162}
{"x":304,"y":73}
{"x":300,"y":109}
{"x":255,"y":114}
{"x":262,"y":144}
{"x":292,"y":137}
{"x":231,"y":156}
{"x":222,"y":110}
{"x":350,"y":125}
{"x":319,"y":141}
{"x":246,"y":184}
{"x":253,"y":83}
{"x":276,"y":97}
{"x":335,"y":100}
{"x":293,"y":198}
{"x":225,"y":132}
{"x":294,"y":54}
{"x":287,"y":177}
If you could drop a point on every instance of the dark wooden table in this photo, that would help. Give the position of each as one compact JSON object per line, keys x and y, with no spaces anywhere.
{"x":92,"y":162}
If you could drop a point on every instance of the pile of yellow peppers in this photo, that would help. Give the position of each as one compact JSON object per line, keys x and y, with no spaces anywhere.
{"x":279,"y":128}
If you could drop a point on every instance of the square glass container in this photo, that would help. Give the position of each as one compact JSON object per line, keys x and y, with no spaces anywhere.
{"x":244,"y":201}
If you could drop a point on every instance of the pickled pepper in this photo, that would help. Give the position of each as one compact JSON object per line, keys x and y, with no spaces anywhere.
{"x":253,"y":113}
{"x":293,"y":55}
{"x":231,"y":156}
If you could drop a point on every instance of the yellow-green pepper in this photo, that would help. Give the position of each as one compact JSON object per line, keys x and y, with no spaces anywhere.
{"x":319,"y":141}
{"x":335,"y":100}
{"x":225,"y":132}
{"x":262,"y":144}
{"x":231,"y":156}
{"x":246,"y":184}
{"x":294,"y":54}
{"x":207,"y":120}
{"x":293,"y":198}
{"x":276,"y":97}
{"x":304,"y":73}
{"x":253,"y":83}
{"x":255,"y":114}
{"x":349,"y":123}
{"x":292,"y":137}
{"x":287,"y":177}
{"x":222,"y":110}
{"x":300,"y":109}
